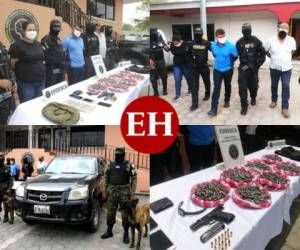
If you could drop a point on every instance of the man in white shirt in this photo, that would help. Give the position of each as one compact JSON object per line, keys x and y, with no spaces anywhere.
{"x":41,"y":165}
{"x":102,"y":40}
{"x":280,"y":49}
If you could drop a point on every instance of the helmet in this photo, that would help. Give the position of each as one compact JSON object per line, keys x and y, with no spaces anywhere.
{"x":198,"y":34}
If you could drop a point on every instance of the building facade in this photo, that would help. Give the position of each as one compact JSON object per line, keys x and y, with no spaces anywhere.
{"x":184,"y":16}
{"x":105,"y":12}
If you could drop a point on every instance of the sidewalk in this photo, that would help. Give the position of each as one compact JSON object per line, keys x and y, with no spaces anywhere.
{"x":259,"y":114}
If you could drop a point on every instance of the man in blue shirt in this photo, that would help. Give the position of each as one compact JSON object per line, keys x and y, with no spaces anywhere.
{"x":14,"y":169}
{"x":225,"y":54}
{"x":74,"y":47}
{"x":201,"y":146}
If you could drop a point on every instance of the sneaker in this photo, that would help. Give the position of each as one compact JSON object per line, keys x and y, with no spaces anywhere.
{"x":226,"y":105}
{"x":253,"y":102}
{"x":273,"y":105}
{"x":193,"y":107}
{"x":285,"y":113}
{"x":244,"y":111}
{"x":188,"y":93}
{"x":176,"y":98}
{"x":212,"y":113}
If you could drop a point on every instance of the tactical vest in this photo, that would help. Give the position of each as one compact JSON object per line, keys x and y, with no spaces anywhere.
{"x":156,"y":51}
{"x":92,"y":45}
{"x":200,"y":53}
{"x":119,"y":173}
{"x":53,"y":46}
{"x":248,"y":52}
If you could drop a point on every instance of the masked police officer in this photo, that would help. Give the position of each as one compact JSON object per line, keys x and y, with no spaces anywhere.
{"x":91,"y":48}
{"x":120,"y":180}
{"x":6,"y":184}
{"x":112,"y":57}
{"x":200,"y":48}
{"x":157,"y":62}
{"x":252,"y":55}
{"x":7,"y":86}
{"x":55,"y":56}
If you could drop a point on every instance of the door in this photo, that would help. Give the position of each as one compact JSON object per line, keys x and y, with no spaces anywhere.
{"x":45,"y":138}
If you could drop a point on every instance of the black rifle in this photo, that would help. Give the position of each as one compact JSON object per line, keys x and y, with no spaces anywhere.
{"x":211,"y":217}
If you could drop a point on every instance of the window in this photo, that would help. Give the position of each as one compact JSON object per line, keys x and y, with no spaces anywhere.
{"x":210,"y":31}
{"x":17,"y":139}
{"x":89,"y":136}
{"x":45,"y":138}
{"x":184,"y":30}
{"x":101,"y":8}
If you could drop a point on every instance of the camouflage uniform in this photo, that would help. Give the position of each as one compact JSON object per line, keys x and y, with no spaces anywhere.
{"x":6,"y":183}
{"x":120,"y":180}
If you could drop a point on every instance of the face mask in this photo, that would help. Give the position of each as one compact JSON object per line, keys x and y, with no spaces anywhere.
{"x":31,"y":35}
{"x":77,"y":33}
{"x":282,"y":34}
{"x":221,"y":40}
{"x":246,"y":33}
{"x":177,"y":44}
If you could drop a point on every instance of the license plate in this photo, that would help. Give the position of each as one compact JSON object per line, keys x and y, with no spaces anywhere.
{"x":41,"y":209}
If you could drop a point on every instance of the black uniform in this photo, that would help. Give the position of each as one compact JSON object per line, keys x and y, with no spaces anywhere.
{"x":7,"y":103}
{"x":91,"y":45}
{"x":252,"y":55}
{"x":200,"y":48}
{"x":55,"y":56}
{"x":112,"y":57}
{"x":157,"y":55}
{"x":6,"y":184}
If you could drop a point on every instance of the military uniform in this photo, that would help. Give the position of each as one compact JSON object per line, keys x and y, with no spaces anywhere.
{"x":252,"y":55}
{"x":120,"y":180}
{"x":55,"y":56}
{"x":200,"y":48}
{"x":160,"y":70}
{"x":7,"y":102}
{"x":91,"y":48}
{"x":6,"y":183}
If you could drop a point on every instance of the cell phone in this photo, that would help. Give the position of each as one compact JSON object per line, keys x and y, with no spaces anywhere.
{"x":160,"y":241}
{"x":77,"y":92}
{"x":161,"y":205}
{"x":76,"y":96}
{"x":87,"y":100}
{"x":107,"y":105}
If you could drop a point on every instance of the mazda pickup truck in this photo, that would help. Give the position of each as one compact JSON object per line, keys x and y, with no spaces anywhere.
{"x":69,"y":192}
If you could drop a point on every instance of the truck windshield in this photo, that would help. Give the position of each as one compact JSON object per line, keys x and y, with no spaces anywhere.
{"x":72,"y":165}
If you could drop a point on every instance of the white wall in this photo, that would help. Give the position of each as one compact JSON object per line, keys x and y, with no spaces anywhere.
{"x":264,"y":23}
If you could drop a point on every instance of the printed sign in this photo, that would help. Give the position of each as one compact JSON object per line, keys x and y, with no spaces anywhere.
{"x":230,"y":145}
{"x":99,"y":65}
{"x":55,"y":89}
{"x":276,"y":144}
{"x":13,"y":25}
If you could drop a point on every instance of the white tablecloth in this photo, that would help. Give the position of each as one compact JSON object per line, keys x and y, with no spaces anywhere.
{"x":30,"y":113}
{"x":252,"y":229}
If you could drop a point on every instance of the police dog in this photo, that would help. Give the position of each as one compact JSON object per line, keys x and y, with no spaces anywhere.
{"x":8,"y":202}
{"x":138,"y":217}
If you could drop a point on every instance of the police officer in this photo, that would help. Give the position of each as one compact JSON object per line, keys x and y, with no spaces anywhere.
{"x":252,"y":55}
{"x":7,"y":86}
{"x":120,"y":180}
{"x":112,"y":57}
{"x":55,"y":56}
{"x":157,"y":62}
{"x":91,"y":48}
{"x":6,"y":184}
{"x":200,"y":49}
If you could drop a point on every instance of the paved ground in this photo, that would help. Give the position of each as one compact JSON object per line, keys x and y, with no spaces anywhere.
{"x":21,"y":236}
{"x":259,"y":114}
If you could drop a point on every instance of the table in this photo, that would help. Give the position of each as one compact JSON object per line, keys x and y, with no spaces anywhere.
{"x":30,"y":113}
{"x":252,"y":229}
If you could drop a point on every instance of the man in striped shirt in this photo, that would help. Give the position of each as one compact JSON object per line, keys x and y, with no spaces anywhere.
{"x":280,"y":49}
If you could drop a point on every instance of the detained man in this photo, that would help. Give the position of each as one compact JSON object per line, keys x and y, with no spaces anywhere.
{"x":225,"y":54}
{"x":280,"y":49}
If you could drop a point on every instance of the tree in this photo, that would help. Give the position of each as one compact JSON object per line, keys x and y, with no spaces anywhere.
{"x":143,"y":23}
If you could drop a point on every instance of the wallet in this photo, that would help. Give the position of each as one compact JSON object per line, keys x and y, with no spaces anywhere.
{"x":161,"y":205}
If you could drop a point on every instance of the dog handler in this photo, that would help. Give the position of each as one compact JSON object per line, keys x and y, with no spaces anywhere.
{"x":120,"y":180}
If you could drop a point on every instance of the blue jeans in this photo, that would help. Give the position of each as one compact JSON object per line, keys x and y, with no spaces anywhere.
{"x":30,"y":90}
{"x":179,"y":72}
{"x":285,"y":77}
{"x":218,"y":78}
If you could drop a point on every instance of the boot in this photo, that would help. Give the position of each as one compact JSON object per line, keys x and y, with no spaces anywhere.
{"x":108,"y":233}
{"x":5,"y":219}
{"x":165,"y":89}
{"x":155,"y":92}
{"x":125,"y":235}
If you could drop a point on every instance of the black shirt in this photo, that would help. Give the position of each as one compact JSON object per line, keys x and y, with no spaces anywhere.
{"x":29,"y":67}
{"x":181,"y":54}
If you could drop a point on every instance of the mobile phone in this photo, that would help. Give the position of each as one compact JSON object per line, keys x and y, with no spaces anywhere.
{"x":160,"y":241}
{"x":87,"y":100}
{"x":104,"y":104}
{"x":76,"y":96}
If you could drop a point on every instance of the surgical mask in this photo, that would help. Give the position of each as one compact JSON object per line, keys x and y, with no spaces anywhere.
{"x":31,"y":35}
{"x":77,"y":33}
{"x":282,"y":34}
{"x":221,"y":40}
{"x":177,"y":44}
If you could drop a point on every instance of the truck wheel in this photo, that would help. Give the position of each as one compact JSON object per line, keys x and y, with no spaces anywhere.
{"x":93,"y":225}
